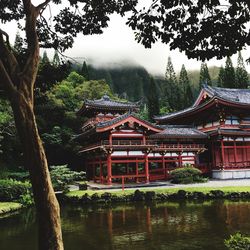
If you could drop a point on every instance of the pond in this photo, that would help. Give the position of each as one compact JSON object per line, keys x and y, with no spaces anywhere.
{"x":137,"y":226}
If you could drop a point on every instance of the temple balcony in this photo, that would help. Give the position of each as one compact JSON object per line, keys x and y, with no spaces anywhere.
{"x":150,"y":145}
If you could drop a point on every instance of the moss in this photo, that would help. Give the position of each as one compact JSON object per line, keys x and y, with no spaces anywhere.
{"x":6,"y":207}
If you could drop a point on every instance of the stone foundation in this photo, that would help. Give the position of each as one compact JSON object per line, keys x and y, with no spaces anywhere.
{"x":231,"y":174}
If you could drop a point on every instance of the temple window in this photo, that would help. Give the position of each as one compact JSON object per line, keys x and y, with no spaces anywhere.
{"x":232,"y":120}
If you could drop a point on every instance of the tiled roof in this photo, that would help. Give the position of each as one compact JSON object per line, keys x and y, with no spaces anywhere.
{"x":177,"y":131}
{"x":235,"y":95}
{"x":113,"y":121}
{"x":105,"y":101}
{"x":122,"y":117}
{"x":240,"y":96}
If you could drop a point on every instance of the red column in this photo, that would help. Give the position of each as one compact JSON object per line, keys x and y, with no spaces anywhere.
{"x":136,"y":170}
{"x":222,"y":153}
{"x":146,"y":168}
{"x":100,"y":166}
{"x":163,"y":165}
{"x":109,"y":169}
{"x":235,"y":152}
{"x":180,"y":160}
{"x":110,"y":139}
{"x":144,"y":139}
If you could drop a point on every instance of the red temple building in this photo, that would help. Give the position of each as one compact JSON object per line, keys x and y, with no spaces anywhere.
{"x":224,"y":115}
{"x":212,"y":135}
{"x":118,"y":145}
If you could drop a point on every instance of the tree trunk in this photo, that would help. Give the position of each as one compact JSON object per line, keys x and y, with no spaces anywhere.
{"x":48,"y":210}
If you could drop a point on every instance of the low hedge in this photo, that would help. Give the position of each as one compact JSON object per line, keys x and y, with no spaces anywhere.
{"x":187,"y":175}
{"x":238,"y":242}
{"x":12,"y":190}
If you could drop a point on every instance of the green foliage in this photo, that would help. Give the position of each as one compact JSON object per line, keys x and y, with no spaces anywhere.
{"x":12,"y":190}
{"x":27,"y":199}
{"x":18,"y":176}
{"x":238,"y":242}
{"x":229,"y":74}
{"x":204,"y":75}
{"x":241,"y":75}
{"x":153,"y":100}
{"x":85,"y":71}
{"x":187,"y":94}
{"x":171,"y":91}
{"x":186,"y":175}
{"x":62,"y":176}
{"x":221,"y":75}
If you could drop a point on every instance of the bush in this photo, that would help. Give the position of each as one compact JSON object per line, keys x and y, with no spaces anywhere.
{"x":19,"y":176}
{"x":187,"y":175}
{"x":238,"y":242}
{"x":62,"y":176}
{"x":12,"y":190}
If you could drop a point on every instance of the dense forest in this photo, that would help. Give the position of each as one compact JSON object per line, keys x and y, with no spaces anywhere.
{"x":62,"y":86}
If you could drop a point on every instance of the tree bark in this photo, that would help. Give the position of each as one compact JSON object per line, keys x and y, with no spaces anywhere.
{"x":19,"y":86}
{"x":48,"y":211}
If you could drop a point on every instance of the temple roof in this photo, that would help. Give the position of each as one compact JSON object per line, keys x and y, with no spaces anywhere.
{"x":235,"y":95}
{"x":226,"y":95}
{"x":105,"y":104}
{"x":179,"y":131}
{"x":128,"y":117}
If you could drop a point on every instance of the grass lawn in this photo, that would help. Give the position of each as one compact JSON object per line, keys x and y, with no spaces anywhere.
{"x":80,"y":193}
{"x":6,"y":207}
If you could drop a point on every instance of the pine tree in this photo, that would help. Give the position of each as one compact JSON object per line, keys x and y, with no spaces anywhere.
{"x":56,"y":59}
{"x":153,"y":100}
{"x":171,"y":89}
{"x":204,"y":75}
{"x":229,"y":74}
{"x":221,"y":75}
{"x":241,"y":75}
{"x":18,"y":44}
{"x":184,"y":84}
{"x":45,"y":59}
{"x":85,"y":71}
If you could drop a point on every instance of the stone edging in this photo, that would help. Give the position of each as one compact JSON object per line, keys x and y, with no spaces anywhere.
{"x":153,"y":196}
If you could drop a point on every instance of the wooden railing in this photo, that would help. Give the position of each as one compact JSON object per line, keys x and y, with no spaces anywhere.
{"x":140,"y":143}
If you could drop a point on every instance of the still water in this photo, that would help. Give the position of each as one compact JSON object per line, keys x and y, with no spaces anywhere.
{"x":170,"y":226}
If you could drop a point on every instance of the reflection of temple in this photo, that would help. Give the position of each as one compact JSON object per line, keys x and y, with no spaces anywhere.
{"x":116,"y":144}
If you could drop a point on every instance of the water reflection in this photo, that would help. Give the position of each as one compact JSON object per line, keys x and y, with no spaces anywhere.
{"x":138,"y":226}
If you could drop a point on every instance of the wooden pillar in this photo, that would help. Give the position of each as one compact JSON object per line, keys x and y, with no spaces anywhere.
{"x":235,"y":152}
{"x":143,"y":139}
{"x":136,"y":170}
{"x":179,"y":160}
{"x":222,"y":153}
{"x":146,"y":168}
{"x":100,"y":166}
{"x":163,"y":165}
{"x":110,"y":139}
{"x":109,"y":169}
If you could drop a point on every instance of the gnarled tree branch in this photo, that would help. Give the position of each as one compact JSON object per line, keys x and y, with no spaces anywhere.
{"x":42,"y":5}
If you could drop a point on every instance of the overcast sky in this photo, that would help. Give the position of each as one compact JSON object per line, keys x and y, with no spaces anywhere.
{"x":117,"y":45}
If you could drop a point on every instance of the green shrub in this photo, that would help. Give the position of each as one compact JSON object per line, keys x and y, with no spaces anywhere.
{"x":62,"y":176}
{"x":238,"y":242}
{"x":187,"y":175}
{"x":26,"y":199}
{"x":19,"y":176}
{"x":11,"y":190}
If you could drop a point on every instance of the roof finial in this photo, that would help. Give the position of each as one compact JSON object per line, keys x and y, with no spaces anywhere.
{"x":106,"y":97}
